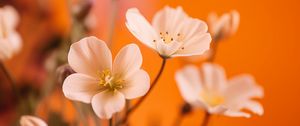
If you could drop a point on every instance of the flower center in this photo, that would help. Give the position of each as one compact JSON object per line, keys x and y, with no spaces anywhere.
{"x":168,"y":38}
{"x":212,"y":99}
{"x":110,"y":82}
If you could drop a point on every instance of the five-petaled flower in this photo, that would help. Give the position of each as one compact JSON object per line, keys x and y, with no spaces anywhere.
{"x":223,"y":26}
{"x":102,"y":83}
{"x":10,"y":39}
{"x":211,"y":90}
{"x":172,"y":33}
{"x":28,"y":120}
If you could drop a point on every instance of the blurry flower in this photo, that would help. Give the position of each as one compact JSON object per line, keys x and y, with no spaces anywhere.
{"x":102,"y":83}
{"x":27,"y":120}
{"x":172,"y":33}
{"x":10,"y":39}
{"x":211,"y":91}
{"x":224,"y":26}
{"x":63,"y":72}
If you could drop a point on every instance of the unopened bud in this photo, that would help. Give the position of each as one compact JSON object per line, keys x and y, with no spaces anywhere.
{"x":63,"y":72}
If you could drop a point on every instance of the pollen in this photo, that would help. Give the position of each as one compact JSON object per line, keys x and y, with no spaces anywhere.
{"x":110,"y":82}
{"x":212,"y":99}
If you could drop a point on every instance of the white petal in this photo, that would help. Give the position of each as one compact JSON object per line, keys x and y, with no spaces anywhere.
{"x":241,"y":88}
{"x":235,"y":21}
{"x":80,"y":87}
{"x":169,"y":19}
{"x":220,"y":109}
{"x":195,"y":46}
{"x":16,"y":41}
{"x":6,"y":51}
{"x":254,"y":107}
{"x":189,"y":83}
{"x":128,"y":61}
{"x":214,"y":77}
{"x":137,"y":85}
{"x":140,"y":27}
{"x":90,"y":56}
{"x":167,"y":50}
{"x":27,"y":120}
{"x":11,"y":17}
{"x":237,"y":114}
{"x":106,"y":103}
{"x":193,"y":27}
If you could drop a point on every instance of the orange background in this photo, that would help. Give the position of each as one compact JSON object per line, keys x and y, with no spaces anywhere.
{"x":265,"y":46}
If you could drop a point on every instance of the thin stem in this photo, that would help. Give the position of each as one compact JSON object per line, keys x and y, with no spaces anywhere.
{"x":131,"y":110}
{"x":112,"y":24}
{"x":206,"y":119}
{"x":214,"y":51}
{"x":10,"y":79}
{"x":111,"y":122}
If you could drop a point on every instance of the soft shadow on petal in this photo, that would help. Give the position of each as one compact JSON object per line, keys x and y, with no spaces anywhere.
{"x":241,"y":88}
{"x":137,"y":85}
{"x":140,"y":27}
{"x":106,"y":103}
{"x":195,"y":46}
{"x":80,"y":87}
{"x":189,"y":83}
{"x":27,"y":120}
{"x":167,"y":50}
{"x":214,"y":77}
{"x":232,"y":113}
{"x":90,"y":56}
{"x":254,"y":107}
{"x":128,"y":61}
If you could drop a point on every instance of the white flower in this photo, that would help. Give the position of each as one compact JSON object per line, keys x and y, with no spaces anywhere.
{"x":172,"y":33}
{"x":10,"y":39}
{"x":102,"y":83}
{"x":225,"y":25}
{"x":211,"y":90}
{"x":27,"y":120}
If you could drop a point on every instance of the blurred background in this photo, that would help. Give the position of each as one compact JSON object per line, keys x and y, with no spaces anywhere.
{"x":265,"y":45}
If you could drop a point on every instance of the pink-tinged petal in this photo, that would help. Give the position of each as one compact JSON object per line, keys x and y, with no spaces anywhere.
{"x":189,"y":83}
{"x":168,"y":19}
{"x":106,"y":103}
{"x":214,"y":77}
{"x":10,"y":17}
{"x":254,"y":107}
{"x":232,"y":113}
{"x":196,"y":46}
{"x":220,"y":109}
{"x":235,"y":21}
{"x":27,"y":120}
{"x":128,"y":61}
{"x":167,"y":50}
{"x":140,"y":27}
{"x":137,"y":85}
{"x":15,"y":41}
{"x":221,"y":26}
{"x":90,"y":56}
{"x":241,"y":88}
{"x":6,"y":51}
{"x":192,"y":28}
{"x":80,"y":87}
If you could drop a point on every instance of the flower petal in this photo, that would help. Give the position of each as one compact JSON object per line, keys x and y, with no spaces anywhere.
{"x":232,"y":113}
{"x":235,"y":21}
{"x":128,"y":61}
{"x":27,"y":120}
{"x":15,"y":41}
{"x":10,"y":17}
{"x":192,"y":28}
{"x":241,"y":88}
{"x":80,"y":87}
{"x":137,"y":85}
{"x":254,"y":107}
{"x":106,"y":103}
{"x":167,"y":50}
{"x":189,"y":83}
{"x":140,"y":27}
{"x":195,"y":46}
{"x":90,"y":56}
{"x":214,"y":77}
{"x":168,"y":19}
